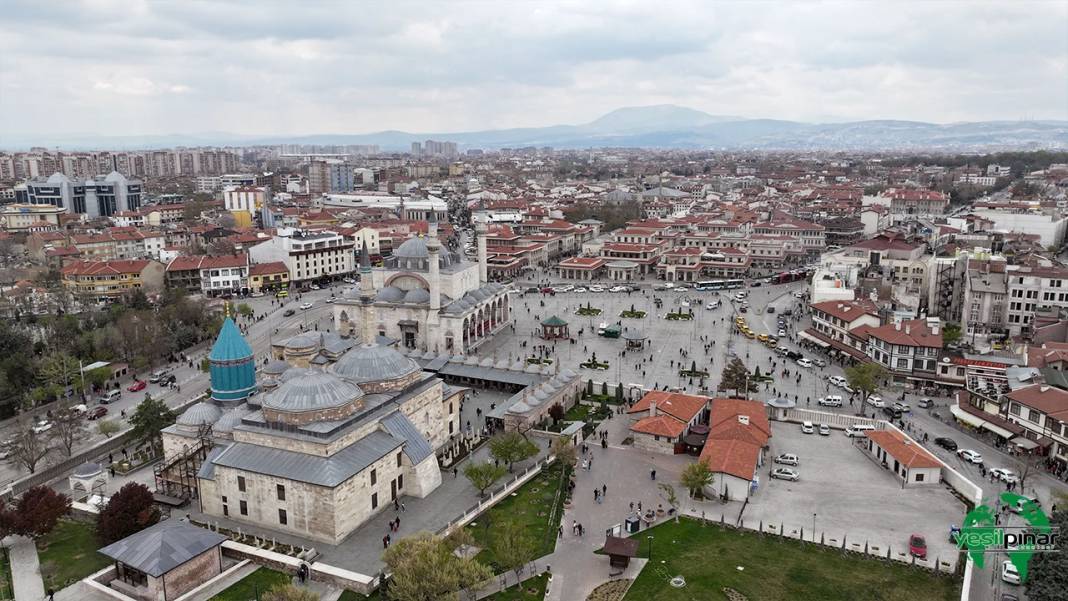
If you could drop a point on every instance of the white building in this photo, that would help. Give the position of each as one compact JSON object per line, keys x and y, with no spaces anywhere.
{"x":101,"y":196}
{"x":1050,"y":228}
{"x":308,"y":255}
{"x":407,"y":208}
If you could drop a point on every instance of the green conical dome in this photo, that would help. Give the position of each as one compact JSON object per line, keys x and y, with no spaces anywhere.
{"x":230,"y":345}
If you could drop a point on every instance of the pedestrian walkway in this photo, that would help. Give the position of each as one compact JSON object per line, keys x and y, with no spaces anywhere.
{"x":25,"y":569}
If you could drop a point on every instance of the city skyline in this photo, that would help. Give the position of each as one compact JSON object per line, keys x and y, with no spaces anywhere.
{"x":150,"y":69}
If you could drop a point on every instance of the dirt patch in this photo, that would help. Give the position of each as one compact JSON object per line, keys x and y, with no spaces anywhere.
{"x":610,"y":591}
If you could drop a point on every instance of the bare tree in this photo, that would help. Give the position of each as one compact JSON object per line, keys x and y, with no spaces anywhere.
{"x":28,"y":447}
{"x":68,"y":428}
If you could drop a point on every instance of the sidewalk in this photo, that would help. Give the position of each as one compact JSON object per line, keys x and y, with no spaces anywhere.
{"x":25,"y":569}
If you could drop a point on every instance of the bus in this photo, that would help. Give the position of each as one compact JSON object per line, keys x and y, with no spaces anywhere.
{"x":718,"y":284}
{"x":730,"y":284}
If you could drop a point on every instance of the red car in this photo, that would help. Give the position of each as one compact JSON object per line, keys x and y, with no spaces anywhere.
{"x":917,"y":546}
{"x":137,"y":385}
{"x":546,"y":290}
{"x":96,"y":413}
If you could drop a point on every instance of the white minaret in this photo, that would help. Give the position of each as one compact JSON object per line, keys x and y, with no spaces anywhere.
{"x":367,"y":297}
{"x":480,"y":233}
{"x":433,"y":246}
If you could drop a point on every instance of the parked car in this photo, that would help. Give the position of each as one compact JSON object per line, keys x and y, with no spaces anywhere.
{"x":787,"y":459}
{"x":785,"y":473}
{"x":1009,"y":573}
{"x":137,"y":385}
{"x":564,"y":288}
{"x":1022,"y":503}
{"x":546,"y":290}
{"x":315,"y":286}
{"x":970,"y":456}
{"x":802,"y":362}
{"x":531,"y":290}
{"x":1004,"y":474}
{"x":771,"y":309}
{"x":97,"y":413}
{"x":782,"y":333}
{"x":925,"y":403}
{"x":330,"y":300}
{"x":825,"y":430}
{"x":946,"y":443}
{"x":917,"y":546}
{"x":892,"y":413}
{"x":289,"y":313}
{"x":807,"y":428}
{"x":831,"y":400}
{"x":858,"y":430}
{"x":596,"y":289}
{"x":158,"y":375}
{"x":579,"y":290}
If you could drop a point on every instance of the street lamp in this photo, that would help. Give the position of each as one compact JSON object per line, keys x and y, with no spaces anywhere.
{"x":650,"y":537}
{"x":813,"y":527}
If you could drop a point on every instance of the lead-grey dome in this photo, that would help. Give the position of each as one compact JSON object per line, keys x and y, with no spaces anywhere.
{"x":275,"y":368}
{"x":303,"y":341}
{"x":310,"y":390}
{"x":374,"y":363}
{"x":227,"y":422}
{"x":200,"y":414}
{"x":87,"y":469}
{"x":412,"y":248}
{"x":417,"y":295}
{"x":390,"y":294}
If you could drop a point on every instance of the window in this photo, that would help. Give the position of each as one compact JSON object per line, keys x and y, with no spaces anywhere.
{"x":398,"y":459}
{"x":244,"y":508}
{"x":1014,"y":409}
{"x":282,"y":517}
{"x":374,"y":477}
{"x":400,"y":481}
{"x":281,"y":493}
{"x":919,"y":477}
{"x":224,"y":498}
{"x":374,"y":500}
{"x":902,"y":363}
{"x":226,"y":510}
{"x":241,"y":483}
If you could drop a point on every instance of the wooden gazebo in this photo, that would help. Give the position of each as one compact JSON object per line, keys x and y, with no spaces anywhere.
{"x":553,"y":328}
{"x":620,"y":550}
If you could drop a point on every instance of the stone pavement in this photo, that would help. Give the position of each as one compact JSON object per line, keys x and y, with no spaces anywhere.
{"x":25,"y":569}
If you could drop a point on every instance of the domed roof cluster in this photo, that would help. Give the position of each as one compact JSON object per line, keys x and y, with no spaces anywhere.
{"x":302,"y":342}
{"x":473,"y":298}
{"x":533,"y":397}
{"x":200,"y":414}
{"x":228,"y":421}
{"x":374,"y":363}
{"x":414,"y":255}
{"x":310,"y":390}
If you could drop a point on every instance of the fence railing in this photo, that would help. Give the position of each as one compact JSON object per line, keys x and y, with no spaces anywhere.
{"x":495,"y":497}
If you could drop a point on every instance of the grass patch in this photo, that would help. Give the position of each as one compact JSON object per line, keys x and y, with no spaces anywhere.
{"x":679,"y":316}
{"x":68,"y":554}
{"x":588,"y":311}
{"x":528,"y":590}
{"x":775,"y":569}
{"x":348,"y":595}
{"x":254,"y":585}
{"x":536,"y":508}
{"x":6,"y":588}
{"x":632,"y":314}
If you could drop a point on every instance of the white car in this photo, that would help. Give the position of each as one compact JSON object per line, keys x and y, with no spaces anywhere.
{"x":831,"y":400}
{"x":820,"y":362}
{"x":596,"y":289}
{"x":1004,"y":474}
{"x":970,"y":456}
{"x":1009,"y":573}
{"x":782,"y":333}
{"x":807,"y":428}
{"x":305,"y":305}
{"x":802,"y":362}
{"x":565,"y":288}
{"x":330,"y":300}
{"x":799,"y":295}
{"x":785,"y":473}
{"x":825,"y":430}
{"x":876,"y":401}
{"x":902,"y":407}
{"x":42,"y":426}
{"x":619,"y":289}
{"x":837,"y":380}
{"x":580,"y":290}
{"x":787,"y":459}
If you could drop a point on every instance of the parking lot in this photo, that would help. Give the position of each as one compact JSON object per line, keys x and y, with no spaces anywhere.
{"x":850,"y":496}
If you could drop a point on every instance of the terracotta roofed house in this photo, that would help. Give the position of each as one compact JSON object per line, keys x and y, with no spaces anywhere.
{"x":668,"y":417}
{"x":737,"y":440}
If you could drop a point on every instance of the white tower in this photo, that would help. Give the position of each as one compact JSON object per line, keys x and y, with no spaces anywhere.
{"x":433,"y":246}
{"x":480,"y":233}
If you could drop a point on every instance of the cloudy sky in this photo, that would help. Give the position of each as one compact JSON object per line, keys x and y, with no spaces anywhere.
{"x":133,"y":67}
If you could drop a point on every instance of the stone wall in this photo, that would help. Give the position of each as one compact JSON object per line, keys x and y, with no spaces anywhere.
{"x":193,"y":573}
{"x":302,"y":418}
{"x":310,"y":509}
{"x":647,"y":442}
{"x":352,"y":499}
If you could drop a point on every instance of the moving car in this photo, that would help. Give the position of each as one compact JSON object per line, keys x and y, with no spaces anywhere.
{"x":946,"y":443}
{"x":902,"y":407}
{"x":771,"y":309}
{"x":917,"y":546}
{"x":109,"y":397}
{"x":825,"y":430}
{"x":1004,"y":474}
{"x":925,"y":403}
{"x":820,"y":362}
{"x":892,"y":413}
{"x":331,"y":299}
{"x":782,"y":333}
{"x":831,"y":400}
{"x":802,"y":362}
{"x":807,"y":428}
{"x":137,"y":385}
{"x":1022,"y":503}
{"x":876,"y":401}
{"x":970,"y":456}
{"x":281,"y":294}
{"x":1009,"y":573}
{"x":305,"y":306}
{"x":785,"y":473}
{"x":837,"y":380}
{"x":787,"y":459}
{"x":158,"y":375}
{"x":42,"y":426}
{"x":289,"y":313}
{"x":97,"y":413}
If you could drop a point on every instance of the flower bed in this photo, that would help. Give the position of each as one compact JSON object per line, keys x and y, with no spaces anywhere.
{"x":594,"y":365}
{"x":678,"y":316}
{"x":632,"y":314}
{"x":588,"y":311}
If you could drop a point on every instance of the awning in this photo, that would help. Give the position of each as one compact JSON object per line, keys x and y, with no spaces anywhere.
{"x":813,"y":339}
{"x":1025,"y":443}
{"x":978,"y":422}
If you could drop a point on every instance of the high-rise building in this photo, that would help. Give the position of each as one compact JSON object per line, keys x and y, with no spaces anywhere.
{"x":101,"y":196}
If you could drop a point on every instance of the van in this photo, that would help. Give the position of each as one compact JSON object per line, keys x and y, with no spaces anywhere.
{"x":858,"y":430}
{"x":158,"y":375}
{"x":110,"y":396}
{"x":837,"y":381}
{"x":1021,"y":504}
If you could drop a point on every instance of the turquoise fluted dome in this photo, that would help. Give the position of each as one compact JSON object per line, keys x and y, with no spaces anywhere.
{"x":233,"y":371}
{"x":230,"y":345}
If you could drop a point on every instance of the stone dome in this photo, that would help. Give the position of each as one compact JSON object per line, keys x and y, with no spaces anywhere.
{"x":301,"y":342}
{"x":456,"y":359}
{"x":429,"y":356}
{"x":374,"y":363}
{"x":417,"y":295}
{"x":227,"y":422}
{"x":200,"y":414}
{"x":310,"y":390}
{"x":533,"y":368}
{"x":567,"y":373}
{"x":87,"y":470}
{"x":412,"y":248}
{"x":275,"y":368}
{"x":501,"y":364}
{"x":519,"y":365}
{"x":520,"y":407}
{"x":390,"y":294}
{"x":472,"y":361}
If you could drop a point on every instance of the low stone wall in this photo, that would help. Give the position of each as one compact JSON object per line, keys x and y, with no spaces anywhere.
{"x":320,"y":572}
{"x":839,"y":421}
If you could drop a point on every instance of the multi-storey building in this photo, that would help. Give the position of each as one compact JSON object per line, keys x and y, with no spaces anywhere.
{"x":308,"y":255}
{"x":1042,"y":411}
{"x":101,"y":196}
{"x":103,"y":281}
{"x":908,"y":349}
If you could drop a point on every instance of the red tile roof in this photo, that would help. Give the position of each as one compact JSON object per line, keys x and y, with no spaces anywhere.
{"x":683,"y":407}
{"x":733,"y":446}
{"x":913,"y":332}
{"x":847,"y":311}
{"x":105,"y":267}
{"x":1047,"y":399}
{"x":268,"y":268}
{"x":906,"y":452}
{"x":660,"y":425}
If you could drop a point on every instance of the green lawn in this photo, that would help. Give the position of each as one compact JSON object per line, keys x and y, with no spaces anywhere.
{"x":253,"y":585}
{"x":68,"y":554}
{"x":351,"y":596}
{"x":528,"y":590}
{"x":531,"y":507}
{"x":6,"y":592}
{"x":774,"y":569}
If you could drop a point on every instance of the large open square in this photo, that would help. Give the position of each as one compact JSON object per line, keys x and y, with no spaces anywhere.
{"x":846,"y":494}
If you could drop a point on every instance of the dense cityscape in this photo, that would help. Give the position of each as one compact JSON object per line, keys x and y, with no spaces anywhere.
{"x":664,"y":354}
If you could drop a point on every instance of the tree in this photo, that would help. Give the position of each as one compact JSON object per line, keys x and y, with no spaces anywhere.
{"x":58,"y":371}
{"x":483,"y":475}
{"x":68,"y":428}
{"x":98,"y":378}
{"x":1048,"y":573}
{"x":244,"y":310}
{"x":129,"y":511}
{"x":564,"y":450}
{"x":951,"y":334}
{"x":27,"y":447}
{"x":510,"y":447}
{"x":151,"y":416}
{"x":556,"y":412}
{"x":424,"y":568}
{"x":695,"y":477}
{"x":865,"y":379}
{"x":589,"y":388}
{"x":289,"y":592}
{"x":512,"y":546}
{"x":37,"y":511}
{"x":735,"y":376}
{"x":667,"y":491}
{"x":604,"y":385}
{"x":619,"y":392}
{"x":107,"y":427}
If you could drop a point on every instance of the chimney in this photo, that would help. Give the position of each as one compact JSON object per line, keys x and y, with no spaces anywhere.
{"x":897,"y":326}
{"x":743,"y":419}
{"x":1043,"y":388}
{"x":652,"y":408}
{"x":908,"y":327}
{"x":934,"y":331}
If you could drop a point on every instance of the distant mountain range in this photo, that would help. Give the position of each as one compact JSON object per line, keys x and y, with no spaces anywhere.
{"x":661,"y":126}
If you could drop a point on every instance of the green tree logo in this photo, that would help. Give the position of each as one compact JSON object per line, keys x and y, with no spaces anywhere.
{"x":980,"y":534}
